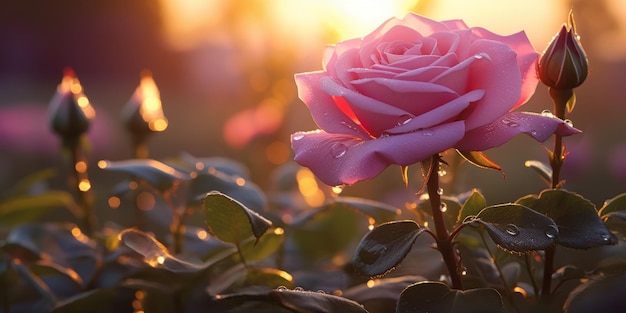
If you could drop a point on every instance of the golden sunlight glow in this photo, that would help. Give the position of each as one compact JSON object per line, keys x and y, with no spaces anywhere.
{"x":148,"y":96}
{"x":160,"y":259}
{"x":279,"y":231}
{"x":277,"y":152}
{"x":371,"y":283}
{"x":70,"y":84}
{"x":114,"y":202}
{"x":189,"y":23}
{"x":84,"y":185}
{"x":202,"y":234}
{"x":240,"y":181}
{"x":308,"y":187}
{"x":80,"y":166}
{"x":520,"y":290}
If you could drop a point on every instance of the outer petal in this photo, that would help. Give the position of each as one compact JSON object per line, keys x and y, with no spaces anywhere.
{"x":500,"y":78}
{"x":527,"y":58}
{"x":341,"y":159}
{"x":511,"y":124}
{"x":323,"y":109}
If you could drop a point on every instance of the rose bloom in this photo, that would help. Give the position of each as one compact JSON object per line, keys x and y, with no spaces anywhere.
{"x":413,"y":88}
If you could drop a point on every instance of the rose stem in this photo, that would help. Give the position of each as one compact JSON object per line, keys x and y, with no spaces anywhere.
{"x":444,"y":240}
{"x":560,"y":97}
{"x":84,"y":196}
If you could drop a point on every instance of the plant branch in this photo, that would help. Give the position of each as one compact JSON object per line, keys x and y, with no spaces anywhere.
{"x":443,"y":238}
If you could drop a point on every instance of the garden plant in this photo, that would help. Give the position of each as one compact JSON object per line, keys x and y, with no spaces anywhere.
{"x":417,"y":94}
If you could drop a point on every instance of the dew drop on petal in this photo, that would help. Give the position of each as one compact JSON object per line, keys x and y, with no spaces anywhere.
{"x":510,"y":123}
{"x":512,"y":230}
{"x":297,"y":137}
{"x":338,"y":150}
{"x":281,"y":288}
{"x":551,"y":232}
{"x":547,"y":113}
{"x":569,"y":122}
{"x":428,"y":132}
{"x":404,"y":119}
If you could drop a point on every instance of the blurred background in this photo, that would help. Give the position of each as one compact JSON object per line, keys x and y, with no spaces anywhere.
{"x":225,"y":70}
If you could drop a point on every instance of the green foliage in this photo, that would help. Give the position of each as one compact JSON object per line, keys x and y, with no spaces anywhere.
{"x":517,"y":228}
{"x":438,"y":297}
{"x":385,"y":247}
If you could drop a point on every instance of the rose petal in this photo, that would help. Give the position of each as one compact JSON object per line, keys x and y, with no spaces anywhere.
{"x":526,"y":59}
{"x":332,"y":52}
{"x":372,"y":114}
{"x":439,"y":114}
{"x":340,"y":159}
{"x":511,"y":124}
{"x":325,"y":112}
{"x":501,"y":78}
{"x":456,"y":77}
{"x":414,"y":97}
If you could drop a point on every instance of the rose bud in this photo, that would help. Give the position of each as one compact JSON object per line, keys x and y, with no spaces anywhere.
{"x":70,"y":110}
{"x":143,"y":113}
{"x":564,"y":63}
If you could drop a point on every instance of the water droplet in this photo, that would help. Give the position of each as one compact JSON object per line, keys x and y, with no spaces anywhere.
{"x":509,"y":123}
{"x":463,"y":270}
{"x":338,"y":150}
{"x":569,"y":122}
{"x":281,"y":288}
{"x":440,"y":191}
{"x":552,"y":231}
{"x":404,"y":119}
{"x":512,"y":230}
{"x":297,"y":137}
{"x":321,"y":291}
{"x":606,"y":237}
{"x":533,"y":132}
{"x":441,"y":172}
{"x":443,"y":208}
{"x":428,"y":132}
{"x":298,"y":289}
{"x":547,"y":113}
{"x":337,"y":189}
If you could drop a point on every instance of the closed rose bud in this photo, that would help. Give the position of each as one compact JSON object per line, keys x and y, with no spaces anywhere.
{"x":70,"y":110}
{"x":564,"y":63}
{"x":143,"y":114}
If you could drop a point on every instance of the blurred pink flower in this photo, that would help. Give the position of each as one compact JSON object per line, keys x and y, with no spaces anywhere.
{"x":412,"y":88}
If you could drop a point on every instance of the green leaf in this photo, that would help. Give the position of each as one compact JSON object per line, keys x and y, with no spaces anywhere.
{"x":297,"y":300}
{"x":268,"y":244}
{"x":472,"y":206}
{"x":63,"y":244}
{"x":480,"y":159}
{"x":306,"y":301}
{"x":615,"y":221}
{"x":544,"y":170}
{"x":230,"y":221}
{"x":325,"y":231}
{"x":158,"y":174}
{"x":235,"y":187}
{"x":383,"y":293}
{"x":27,"y":208}
{"x":154,"y":253}
{"x":601,"y":295}
{"x":271,"y":277}
{"x":431,"y":297}
{"x":517,"y":228}
{"x":617,"y":204}
{"x":580,"y":227}
{"x":97,"y":300}
{"x":385,"y":247}
{"x":380,"y":212}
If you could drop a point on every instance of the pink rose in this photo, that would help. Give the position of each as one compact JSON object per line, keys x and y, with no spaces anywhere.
{"x":413,"y":88}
